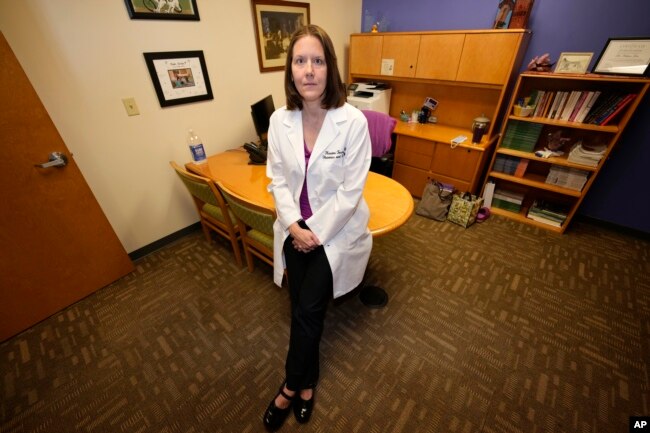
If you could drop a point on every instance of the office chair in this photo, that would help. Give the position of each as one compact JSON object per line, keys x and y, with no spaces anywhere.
{"x":381,"y":128}
{"x":213,"y":210}
{"x":255,"y":223}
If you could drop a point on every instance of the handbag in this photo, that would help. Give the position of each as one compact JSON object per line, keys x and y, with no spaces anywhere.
{"x":464,"y":208}
{"x":435,"y":202}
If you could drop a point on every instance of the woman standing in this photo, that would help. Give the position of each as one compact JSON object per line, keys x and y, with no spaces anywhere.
{"x":318,"y":159}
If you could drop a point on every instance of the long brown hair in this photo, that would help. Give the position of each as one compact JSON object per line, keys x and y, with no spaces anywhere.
{"x":334,"y":95}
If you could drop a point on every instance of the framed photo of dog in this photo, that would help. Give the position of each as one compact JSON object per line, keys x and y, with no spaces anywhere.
{"x":275,"y":21}
{"x":179,"y":77}
{"x":162,"y":9}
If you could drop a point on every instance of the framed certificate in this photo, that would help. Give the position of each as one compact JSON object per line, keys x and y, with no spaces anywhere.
{"x":624,"y":56}
{"x":179,"y":77}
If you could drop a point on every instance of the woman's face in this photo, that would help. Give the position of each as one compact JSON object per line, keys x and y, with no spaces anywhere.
{"x":308,"y":68}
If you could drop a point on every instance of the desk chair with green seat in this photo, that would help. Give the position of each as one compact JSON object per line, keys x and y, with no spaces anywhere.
{"x":213,"y":210}
{"x":255,"y":226}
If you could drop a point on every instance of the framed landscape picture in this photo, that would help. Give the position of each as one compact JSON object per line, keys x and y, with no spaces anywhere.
{"x":162,"y":9}
{"x":573,"y":63}
{"x":275,"y":21}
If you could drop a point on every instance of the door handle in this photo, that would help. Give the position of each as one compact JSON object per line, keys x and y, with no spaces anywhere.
{"x":56,"y":159}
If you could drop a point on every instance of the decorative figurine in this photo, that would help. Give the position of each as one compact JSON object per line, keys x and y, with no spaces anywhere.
{"x":541,"y":63}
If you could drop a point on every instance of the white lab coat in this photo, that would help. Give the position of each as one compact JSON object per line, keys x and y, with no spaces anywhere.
{"x":338,"y":168}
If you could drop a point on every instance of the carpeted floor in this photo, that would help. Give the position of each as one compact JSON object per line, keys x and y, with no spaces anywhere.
{"x":499,"y":328}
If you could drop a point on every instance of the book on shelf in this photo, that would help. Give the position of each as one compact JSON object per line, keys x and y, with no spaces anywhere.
{"x":521,"y":135}
{"x":505,"y":164}
{"x":592,"y":97}
{"x":607,"y":117}
{"x":547,"y":104}
{"x":567,"y":177}
{"x":586,"y":154}
{"x":570,"y":104}
{"x":557,"y":102}
{"x":521,"y":167}
{"x":605,"y":102}
{"x":547,"y":212}
{"x":507,"y":200}
{"x":539,"y":106}
{"x":578,"y":105}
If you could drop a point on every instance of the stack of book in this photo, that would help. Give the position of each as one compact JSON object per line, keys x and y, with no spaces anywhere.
{"x":521,"y":135}
{"x":586,"y":155}
{"x":582,"y":106}
{"x":507,"y":200}
{"x":609,"y":106}
{"x":547,"y":213}
{"x":566,"y":177}
{"x":506,"y":164}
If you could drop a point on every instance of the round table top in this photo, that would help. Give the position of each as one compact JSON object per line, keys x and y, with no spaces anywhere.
{"x":390,"y":204}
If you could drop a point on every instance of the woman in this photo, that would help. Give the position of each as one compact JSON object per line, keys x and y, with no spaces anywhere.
{"x":318,"y":159}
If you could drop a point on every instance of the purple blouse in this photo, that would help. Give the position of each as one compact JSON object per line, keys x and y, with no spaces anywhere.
{"x":305,"y":208}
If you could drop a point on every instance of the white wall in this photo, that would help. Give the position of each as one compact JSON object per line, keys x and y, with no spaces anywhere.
{"x":83,"y":57}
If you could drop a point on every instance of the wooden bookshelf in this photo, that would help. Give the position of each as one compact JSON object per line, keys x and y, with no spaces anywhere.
{"x":533,"y":184}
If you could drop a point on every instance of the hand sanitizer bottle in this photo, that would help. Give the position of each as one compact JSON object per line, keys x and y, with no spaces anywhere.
{"x":196,"y":147}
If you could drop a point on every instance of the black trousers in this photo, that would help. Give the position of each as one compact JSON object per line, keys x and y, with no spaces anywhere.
{"x":310,"y":286}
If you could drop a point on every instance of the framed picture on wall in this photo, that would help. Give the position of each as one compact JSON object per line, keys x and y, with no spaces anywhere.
{"x":624,"y":56}
{"x":162,"y":9}
{"x":179,"y":77}
{"x":275,"y":21}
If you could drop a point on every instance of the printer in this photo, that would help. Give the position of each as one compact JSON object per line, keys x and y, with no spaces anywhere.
{"x":369,"y":96}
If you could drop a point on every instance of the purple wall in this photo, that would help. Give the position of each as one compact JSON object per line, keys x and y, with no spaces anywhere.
{"x":619,"y":195}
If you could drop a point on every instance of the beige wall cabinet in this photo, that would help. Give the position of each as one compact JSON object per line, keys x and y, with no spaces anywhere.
{"x":547,"y":191}
{"x":467,"y":72}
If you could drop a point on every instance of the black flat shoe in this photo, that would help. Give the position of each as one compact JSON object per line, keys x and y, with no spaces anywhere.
{"x":274,"y":416}
{"x":302,"y":408}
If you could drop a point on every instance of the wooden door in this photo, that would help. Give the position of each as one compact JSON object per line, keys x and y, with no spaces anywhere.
{"x":56,"y":245}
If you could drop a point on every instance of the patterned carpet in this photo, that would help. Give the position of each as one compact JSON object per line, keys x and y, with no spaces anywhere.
{"x":499,"y":328}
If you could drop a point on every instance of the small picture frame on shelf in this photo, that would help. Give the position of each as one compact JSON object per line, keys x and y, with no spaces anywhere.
{"x":624,"y":56}
{"x":573,"y":63}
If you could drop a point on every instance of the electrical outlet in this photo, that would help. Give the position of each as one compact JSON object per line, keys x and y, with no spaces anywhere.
{"x":130,"y":106}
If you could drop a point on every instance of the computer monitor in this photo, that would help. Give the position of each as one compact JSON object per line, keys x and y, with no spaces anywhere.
{"x":261,"y":112}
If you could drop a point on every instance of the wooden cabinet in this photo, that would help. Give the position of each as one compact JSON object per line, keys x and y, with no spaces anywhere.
{"x":467,"y":72}
{"x":403,"y":50}
{"x":439,"y":56}
{"x":365,"y":55}
{"x":546,"y":191}
{"x":477,"y":56}
{"x":425,"y":152}
{"x":488,"y":58}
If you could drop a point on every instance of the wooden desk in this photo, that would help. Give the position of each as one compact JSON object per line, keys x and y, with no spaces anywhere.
{"x":391,"y":205}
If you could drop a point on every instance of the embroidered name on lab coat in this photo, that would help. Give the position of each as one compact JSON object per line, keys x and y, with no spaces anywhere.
{"x":333,"y":155}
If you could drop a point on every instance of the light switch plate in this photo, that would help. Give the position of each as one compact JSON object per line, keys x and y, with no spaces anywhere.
{"x":130,"y":106}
